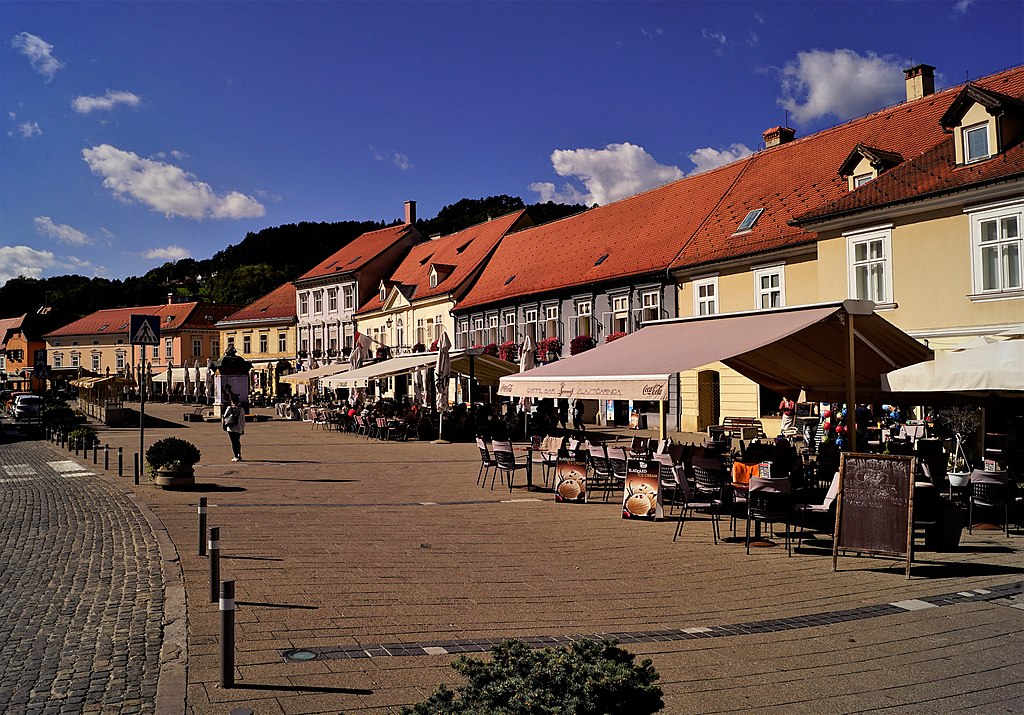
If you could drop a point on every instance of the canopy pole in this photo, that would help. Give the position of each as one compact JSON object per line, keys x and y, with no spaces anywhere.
{"x":661,"y":420}
{"x":851,"y":384}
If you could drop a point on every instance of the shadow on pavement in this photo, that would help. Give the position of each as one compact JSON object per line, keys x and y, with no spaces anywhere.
{"x":213,"y":488}
{"x":264,"y":604}
{"x":301,"y":688}
{"x":934,"y":569}
{"x":252,"y":558}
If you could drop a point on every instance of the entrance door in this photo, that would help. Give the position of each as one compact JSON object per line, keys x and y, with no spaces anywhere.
{"x":708,"y":399}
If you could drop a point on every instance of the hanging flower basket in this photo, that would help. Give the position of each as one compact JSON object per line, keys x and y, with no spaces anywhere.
{"x":581,"y":343}
{"x":549,"y":349}
{"x":508,"y":351}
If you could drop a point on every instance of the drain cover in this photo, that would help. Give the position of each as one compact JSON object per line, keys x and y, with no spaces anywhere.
{"x":299,"y":654}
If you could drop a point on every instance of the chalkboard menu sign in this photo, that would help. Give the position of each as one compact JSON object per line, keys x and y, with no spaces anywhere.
{"x":875,"y":506}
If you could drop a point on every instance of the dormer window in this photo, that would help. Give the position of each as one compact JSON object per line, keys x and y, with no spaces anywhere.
{"x":383,"y":292}
{"x":433,"y":278}
{"x":861,"y":179}
{"x":976,"y":143}
{"x":749,"y":220}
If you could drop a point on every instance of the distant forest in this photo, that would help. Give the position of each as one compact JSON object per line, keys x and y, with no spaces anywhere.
{"x":242,"y":273}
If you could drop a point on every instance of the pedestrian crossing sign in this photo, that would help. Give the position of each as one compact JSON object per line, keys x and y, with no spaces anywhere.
{"x":144,"y":330}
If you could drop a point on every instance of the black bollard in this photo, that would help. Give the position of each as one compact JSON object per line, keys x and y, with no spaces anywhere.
{"x":202,"y":526}
{"x":136,"y":467}
{"x":106,"y":457}
{"x":95,"y":452}
{"x":78,"y":443}
{"x":214,"y":550}
{"x":227,"y":634}
{"x":120,"y":461}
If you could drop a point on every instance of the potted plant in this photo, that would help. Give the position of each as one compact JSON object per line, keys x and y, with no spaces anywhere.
{"x":491,"y":349}
{"x":581,"y":343}
{"x":82,"y":437}
{"x":612,"y":337}
{"x":549,"y":349}
{"x":171,"y":462}
{"x":507,"y":351}
{"x":963,"y":422}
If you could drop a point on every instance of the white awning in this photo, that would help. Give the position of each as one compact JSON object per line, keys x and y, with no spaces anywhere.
{"x":993,"y":368}
{"x":177,"y":374}
{"x":486,"y":369}
{"x":784,"y":350}
{"x":307,"y":376}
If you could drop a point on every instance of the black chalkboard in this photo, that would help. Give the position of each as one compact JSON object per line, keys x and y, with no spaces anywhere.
{"x":876,"y":501}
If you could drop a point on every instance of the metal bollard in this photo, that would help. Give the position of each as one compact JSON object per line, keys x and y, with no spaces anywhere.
{"x":106,"y":457}
{"x":78,"y":443}
{"x":136,"y":467}
{"x":214,"y":549}
{"x":95,"y":452}
{"x":227,"y":634}
{"x":120,"y":461}
{"x":202,"y":526}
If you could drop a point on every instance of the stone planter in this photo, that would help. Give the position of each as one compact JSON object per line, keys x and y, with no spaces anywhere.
{"x":180,"y":478}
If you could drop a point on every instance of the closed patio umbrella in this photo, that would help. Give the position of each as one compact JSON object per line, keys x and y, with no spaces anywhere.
{"x":209,"y":378}
{"x":187,"y":381}
{"x":442,"y":374}
{"x":359,"y":346}
{"x":527,"y":361}
{"x":198,"y":381}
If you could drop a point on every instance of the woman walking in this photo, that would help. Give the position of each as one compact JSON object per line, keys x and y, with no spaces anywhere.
{"x":234,"y":424}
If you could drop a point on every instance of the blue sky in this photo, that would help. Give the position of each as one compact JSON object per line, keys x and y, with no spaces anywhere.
{"x":136,"y":133}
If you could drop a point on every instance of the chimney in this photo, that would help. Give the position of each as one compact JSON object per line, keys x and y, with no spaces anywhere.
{"x":170,"y":299}
{"x":920,"y":81}
{"x":778,"y":135}
{"x":410,"y":212}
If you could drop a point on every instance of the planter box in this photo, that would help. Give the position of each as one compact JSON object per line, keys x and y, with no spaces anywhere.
{"x":175,"y":478}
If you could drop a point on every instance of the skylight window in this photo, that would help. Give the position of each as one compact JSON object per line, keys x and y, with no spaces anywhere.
{"x":510,"y":279}
{"x":601,"y":260}
{"x":104,"y":326}
{"x":750,"y":220}
{"x":353,"y":260}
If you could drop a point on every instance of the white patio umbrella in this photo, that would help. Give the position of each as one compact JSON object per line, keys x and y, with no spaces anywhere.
{"x":198,"y":381}
{"x":359,"y":346}
{"x":527,"y":361}
{"x":187,"y":390}
{"x":209,"y":378}
{"x":442,"y":374}
{"x":417,"y":385}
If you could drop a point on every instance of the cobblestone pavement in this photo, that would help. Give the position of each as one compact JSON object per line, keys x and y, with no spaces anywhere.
{"x":81,"y":590}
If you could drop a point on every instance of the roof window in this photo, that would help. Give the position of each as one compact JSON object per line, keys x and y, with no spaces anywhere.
{"x":510,"y":279}
{"x":124,"y":327}
{"x":170,"y":318}
{"x":601,"y":260}
{"x":352,"y":261}
{"x":749,"y":221}
{"x":104,"y":326}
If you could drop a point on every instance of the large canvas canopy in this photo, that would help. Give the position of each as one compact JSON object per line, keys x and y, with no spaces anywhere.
{"x":810,"y":347}
{"x":487,"y":370}
{"x":987,"y":370}
{"x":308,"y":376}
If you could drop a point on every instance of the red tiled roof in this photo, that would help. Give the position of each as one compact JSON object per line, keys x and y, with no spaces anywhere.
{"x":114,"y":321}
{"x":934,"y":172}
{"x":459,"y":254}
{"x":796,"y":178}
{"x":278,"y":303}
{"x":637,"y":235}
{"x":9,"y":324}
{"x":361,"y":250}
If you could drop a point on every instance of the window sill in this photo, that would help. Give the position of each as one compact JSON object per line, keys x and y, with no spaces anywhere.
{"x":882,"y":307}
{"x":1001,"y":295}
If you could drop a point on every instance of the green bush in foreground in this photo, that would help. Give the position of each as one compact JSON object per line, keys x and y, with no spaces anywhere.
{"x":583,"y":678}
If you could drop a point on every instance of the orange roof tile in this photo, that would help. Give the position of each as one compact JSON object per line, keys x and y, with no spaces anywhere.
{"x":277,"y":304}
{"x":460,"y":254}
{"x":173,"y":316}
{"x":637,"y":235}
{"x":360,"y":251}
{"x":9,"y":325}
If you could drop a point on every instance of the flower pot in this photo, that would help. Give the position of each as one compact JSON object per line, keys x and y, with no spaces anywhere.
{"x":958,"y":479}
{"x":175,"y":478}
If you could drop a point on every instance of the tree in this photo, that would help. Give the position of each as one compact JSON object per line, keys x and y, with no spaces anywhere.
{"x":244,"y":284}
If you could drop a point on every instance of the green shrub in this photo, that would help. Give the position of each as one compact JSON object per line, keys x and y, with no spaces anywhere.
{"x":172,"y":452}
{"x":584,"y":678}
{"x":59,"y":416}
{"x":83,"y":437}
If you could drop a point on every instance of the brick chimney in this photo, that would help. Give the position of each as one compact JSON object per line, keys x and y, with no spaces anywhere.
{"x":920,"y":81}
{"x":410,"y":212}
{"x":778,"y":135}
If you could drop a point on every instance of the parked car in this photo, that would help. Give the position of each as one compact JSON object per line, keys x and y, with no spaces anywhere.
{"x":27,"y":407}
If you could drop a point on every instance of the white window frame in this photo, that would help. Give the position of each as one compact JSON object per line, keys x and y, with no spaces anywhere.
{"x":264,"y":343}
{"x":247,"y":345}
{"x":760,"y":292}
{"x":584,"y":316}
{"x":76,"y":360}
{"x":399,"y":333}
{"x":510,"y":324}
{"x":876,"y":234}
{"x":58,"y":360}
{"x":332,"y":300}
{"x":530,"y":316}
{"x":215,"y":347}
{"x":492,"y":329}
{"x":478,"y":330}
{"x":383,"y":293}
{"x":168,"y":348}
{"x":119,"y":360}
{"x":997,"y":213}
{"x":551,"y":321}
{"x":463,"y":335}
{"x":860,"y":179}
{"x":197,"y":347}
{"x":433,"y":277}
{"x":97,"y":362}
{"x":282,"y":342}
{"x":705,"y":301}
{"x":965,"y":134}
{"x":650,"y":300}
{"x":348,"y":297}
{"x":303,"y":303}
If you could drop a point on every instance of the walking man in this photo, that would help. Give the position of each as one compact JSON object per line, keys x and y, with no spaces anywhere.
{"x":234,"y":424}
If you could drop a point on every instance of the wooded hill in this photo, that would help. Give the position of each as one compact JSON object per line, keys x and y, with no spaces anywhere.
{"x":243,"y":272}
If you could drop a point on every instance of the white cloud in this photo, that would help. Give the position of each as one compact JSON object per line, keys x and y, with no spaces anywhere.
{"x":165,"y":187}
{"x":39,"y":53}
{"x":167,"y":253}
{"x":395,"y":157}
{"x":707,"y":158}
{"x":719,"y":42}
{"x":609,"y":174}
{"x":656,"y":32}
{"x":26,"y":130}
{"x":85,"y":105}
{"x":962,"y":6}
{"x":841,"y":83}
{"x":23,"y":261}
{"x":60,"y":231}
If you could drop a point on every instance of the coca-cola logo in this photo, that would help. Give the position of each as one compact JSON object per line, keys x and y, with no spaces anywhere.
{"x":653,"y":390}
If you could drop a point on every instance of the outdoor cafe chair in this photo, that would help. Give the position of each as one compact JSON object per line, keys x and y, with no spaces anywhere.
{"x":600,"y":473}
{"x":769,"y":501}
{"x":545,"y":454}
{"x":988,"y":490}
{"x":818,"y":510}
{"x":706,"y":496}
{"x":487,"y":462}
{"x":639,"y":446}
{"x":508,"y":465}
{"x":618,"y":465}
{"x":671,"y":478}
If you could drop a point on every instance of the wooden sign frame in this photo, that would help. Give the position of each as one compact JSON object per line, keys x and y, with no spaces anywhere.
{"x":875,"y":507}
